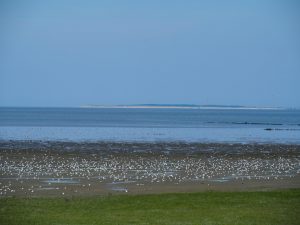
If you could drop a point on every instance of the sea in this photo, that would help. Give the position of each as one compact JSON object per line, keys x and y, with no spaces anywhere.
{"x":150,"y":125}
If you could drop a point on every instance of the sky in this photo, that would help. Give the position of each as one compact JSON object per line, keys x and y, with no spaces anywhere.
{"x":72,"y":53}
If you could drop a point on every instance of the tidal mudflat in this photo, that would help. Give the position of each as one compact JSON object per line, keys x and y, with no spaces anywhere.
{"x":70,"y":169}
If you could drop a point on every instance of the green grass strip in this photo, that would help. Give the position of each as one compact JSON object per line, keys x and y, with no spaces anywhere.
{"x":209,"y":208}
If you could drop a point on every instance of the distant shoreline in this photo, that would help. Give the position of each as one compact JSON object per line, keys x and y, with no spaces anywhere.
{"x":179,"y":107}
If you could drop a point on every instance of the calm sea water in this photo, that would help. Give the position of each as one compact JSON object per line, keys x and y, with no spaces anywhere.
{"x":190,"y":125}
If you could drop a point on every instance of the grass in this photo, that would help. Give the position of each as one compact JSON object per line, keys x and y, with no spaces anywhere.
{"x":213,"y":208}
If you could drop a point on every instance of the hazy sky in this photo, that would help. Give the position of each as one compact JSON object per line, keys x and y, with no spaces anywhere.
{"x":71,"y":53}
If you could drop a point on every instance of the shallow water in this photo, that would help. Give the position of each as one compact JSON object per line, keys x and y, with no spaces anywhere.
{"x":148,"y":125}
{"x":120,"y":189}
{"x":61,"y":181}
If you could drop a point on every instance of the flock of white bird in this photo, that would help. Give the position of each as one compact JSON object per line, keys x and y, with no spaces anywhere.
{"x":44,"y":168}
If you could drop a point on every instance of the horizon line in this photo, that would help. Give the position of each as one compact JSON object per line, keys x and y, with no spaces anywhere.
{"x":163,"y":106}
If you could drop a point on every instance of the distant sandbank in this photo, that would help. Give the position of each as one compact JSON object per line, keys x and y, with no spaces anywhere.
{"x":157,"y":106}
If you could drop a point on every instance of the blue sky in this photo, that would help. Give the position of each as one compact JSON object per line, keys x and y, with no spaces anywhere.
{"x":71,"y":53}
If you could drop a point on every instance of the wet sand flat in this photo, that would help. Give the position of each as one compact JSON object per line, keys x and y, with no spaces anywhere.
{"x":71,"y":169}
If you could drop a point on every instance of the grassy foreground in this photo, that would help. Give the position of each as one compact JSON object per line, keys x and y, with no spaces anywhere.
{"x":274,"y":207}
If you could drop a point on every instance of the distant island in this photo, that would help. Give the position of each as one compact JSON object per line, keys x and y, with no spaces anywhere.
{"x":180,"y":106}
